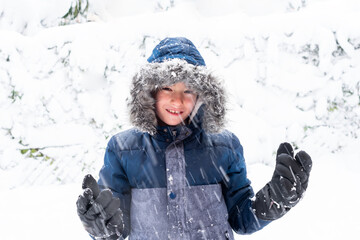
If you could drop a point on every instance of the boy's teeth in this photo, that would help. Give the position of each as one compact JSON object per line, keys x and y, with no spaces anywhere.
{"x":173,"y":111}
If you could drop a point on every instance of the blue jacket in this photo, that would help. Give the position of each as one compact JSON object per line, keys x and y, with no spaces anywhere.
{"x":199,"y":178}
{"x":187,"y":182}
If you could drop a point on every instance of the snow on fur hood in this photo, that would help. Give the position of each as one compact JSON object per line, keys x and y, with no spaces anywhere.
{"x":176,"y":60}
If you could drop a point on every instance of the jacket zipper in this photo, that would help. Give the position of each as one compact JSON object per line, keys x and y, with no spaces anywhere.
{"x":227,"y":235}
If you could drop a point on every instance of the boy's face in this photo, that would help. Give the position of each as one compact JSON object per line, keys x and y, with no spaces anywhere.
{"x":174,"y":104}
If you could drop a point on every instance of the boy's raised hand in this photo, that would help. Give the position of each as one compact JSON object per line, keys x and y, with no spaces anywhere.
{"x":99,"y":211}
{"x":287,"y":186}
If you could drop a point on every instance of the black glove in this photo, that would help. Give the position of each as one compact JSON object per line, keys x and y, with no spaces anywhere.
{"x":287,"y":186}
{"x":99,"y":211}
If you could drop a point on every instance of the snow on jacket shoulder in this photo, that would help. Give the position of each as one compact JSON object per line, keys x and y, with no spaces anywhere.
{"x":180,"y":183}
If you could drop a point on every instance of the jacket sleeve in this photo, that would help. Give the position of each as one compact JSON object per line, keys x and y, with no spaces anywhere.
{"x":238,"y":193}
{"x":113,"y":176}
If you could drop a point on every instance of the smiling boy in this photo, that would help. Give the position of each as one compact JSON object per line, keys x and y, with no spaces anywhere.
{"x":178,"y":174}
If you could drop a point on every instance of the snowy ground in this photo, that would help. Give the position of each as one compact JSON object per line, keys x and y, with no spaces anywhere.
{"x":291,"y":68}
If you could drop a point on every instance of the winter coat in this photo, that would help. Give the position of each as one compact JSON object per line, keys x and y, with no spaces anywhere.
{"x":181,"y":184}
{"x":185,"y":182}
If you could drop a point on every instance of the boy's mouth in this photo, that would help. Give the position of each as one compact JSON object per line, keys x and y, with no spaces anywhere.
{"x":174,"y":111}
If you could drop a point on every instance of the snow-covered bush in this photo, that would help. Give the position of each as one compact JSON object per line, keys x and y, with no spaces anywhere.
{"x":77,"y":12}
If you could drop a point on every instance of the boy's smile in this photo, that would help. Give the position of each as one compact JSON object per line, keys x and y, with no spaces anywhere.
{"x":174,"y":104}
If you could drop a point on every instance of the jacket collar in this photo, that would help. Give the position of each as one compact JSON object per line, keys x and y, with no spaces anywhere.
{"x":176,"y":133}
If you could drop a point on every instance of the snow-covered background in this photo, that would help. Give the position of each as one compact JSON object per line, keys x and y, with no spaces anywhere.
{"x":291,"y":68}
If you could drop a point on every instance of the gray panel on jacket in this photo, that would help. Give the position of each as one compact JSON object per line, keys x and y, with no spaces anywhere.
{"x":204,"y":210}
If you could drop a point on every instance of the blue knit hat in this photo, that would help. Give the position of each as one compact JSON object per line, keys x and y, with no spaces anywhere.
{"x":178,"y":47}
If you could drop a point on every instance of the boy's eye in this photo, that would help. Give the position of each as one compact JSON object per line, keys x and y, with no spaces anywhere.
{"x":166,"y":89}
{"x":189,"y":92}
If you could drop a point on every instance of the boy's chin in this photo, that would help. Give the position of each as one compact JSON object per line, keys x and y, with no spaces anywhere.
{"x":171,"y":123}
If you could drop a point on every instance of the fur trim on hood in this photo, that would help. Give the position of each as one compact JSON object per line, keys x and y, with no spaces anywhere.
{"x":154,"y":76}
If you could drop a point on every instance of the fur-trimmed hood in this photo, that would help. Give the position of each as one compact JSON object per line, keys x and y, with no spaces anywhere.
{"x":155,"y":75}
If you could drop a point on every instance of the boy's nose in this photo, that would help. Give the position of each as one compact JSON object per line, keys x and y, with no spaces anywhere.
{"x":177,"y":99}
